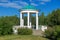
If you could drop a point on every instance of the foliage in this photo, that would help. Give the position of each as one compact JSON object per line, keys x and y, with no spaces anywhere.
{"x":54,"y":18}
{"x":42,"y":19}
{"x":58,"y":38}
{"x":49,"y":33}
{"x":53,"y":33}
{"x":25,"y":20}
{"x":24,"y":31}
{"x":6,"y":24}
{"x":33,"y":19}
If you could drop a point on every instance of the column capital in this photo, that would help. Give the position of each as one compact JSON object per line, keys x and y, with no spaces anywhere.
{"x":28,"y":12}
{"x":37,"y":12}
{"x":20,"y":12}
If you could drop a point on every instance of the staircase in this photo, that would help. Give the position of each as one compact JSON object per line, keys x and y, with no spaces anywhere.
{"x":37,"y":32}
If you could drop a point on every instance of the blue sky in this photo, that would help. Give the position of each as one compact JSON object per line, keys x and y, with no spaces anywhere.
{"x":11,"y":7}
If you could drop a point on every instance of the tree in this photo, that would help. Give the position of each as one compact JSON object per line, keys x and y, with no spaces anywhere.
{"x":25,"y":20}
{"x":42,"y":19}
{"x":54,"y":18}
{"x":6,"y":24}
{"x":33,"y":20}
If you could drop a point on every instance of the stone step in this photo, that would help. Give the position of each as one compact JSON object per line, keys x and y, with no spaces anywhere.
{"x":37,"y":32}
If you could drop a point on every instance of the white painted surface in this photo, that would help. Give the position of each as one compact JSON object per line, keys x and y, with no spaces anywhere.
{"x":29,"y":11}
{"x":15,"y":29}
{"x":37,"y":21}
{"x":28,"y":18}
{"x":21,"y":19}
{"x":30,"y":24}
{"x":43,"y":28}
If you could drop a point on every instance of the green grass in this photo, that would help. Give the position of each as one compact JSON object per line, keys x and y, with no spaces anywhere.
{"x":21,"y":37}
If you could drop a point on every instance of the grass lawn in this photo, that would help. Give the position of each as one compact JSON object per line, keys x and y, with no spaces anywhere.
{"x":21,"y":37}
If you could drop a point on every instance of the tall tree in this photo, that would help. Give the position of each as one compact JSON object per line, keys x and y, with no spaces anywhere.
{"x":54,"y":18}
{"x":41,"y":19}
{"x":6,"y":24}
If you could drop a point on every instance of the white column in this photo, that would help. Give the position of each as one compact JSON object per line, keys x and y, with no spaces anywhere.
{"x":30,"y":24}
{"x":28,"y":20}
{"x":21,"y":19}
{"x":36,"y":20}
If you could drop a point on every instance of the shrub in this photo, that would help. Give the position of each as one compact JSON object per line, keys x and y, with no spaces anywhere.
{"x":6,"y":29}
{"x":58,"y":38}
{"x":49,"y":32}
{"x":24,"y":31}
{"x":6,"y":24}
{"x":53,"y":32}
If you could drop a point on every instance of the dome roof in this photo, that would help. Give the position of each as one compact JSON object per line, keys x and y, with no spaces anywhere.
{"x":29,"y":7}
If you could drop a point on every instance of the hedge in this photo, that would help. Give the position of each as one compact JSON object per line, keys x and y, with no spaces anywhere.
{"x":24,"y":31}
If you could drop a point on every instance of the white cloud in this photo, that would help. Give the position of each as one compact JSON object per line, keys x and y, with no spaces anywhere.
{"x":45,"y":0}
{"x":13,"y":5}
{"x":34,"y":4}
{"x":30,"y":0}
{"x":23,"y":3}
{"x":4,"y":0}
{"x":42,"y":2}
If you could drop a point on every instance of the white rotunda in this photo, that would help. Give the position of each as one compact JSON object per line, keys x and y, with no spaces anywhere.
{"x":28,"y":10}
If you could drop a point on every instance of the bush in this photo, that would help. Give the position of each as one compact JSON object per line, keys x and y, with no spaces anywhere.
{"x":53,"y":32}
{"x":6,"y":24}
{"x":24,"y":31}
{"x":49,"y":32}
{"x":58,"y":38}
{"x":6,"y":29}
